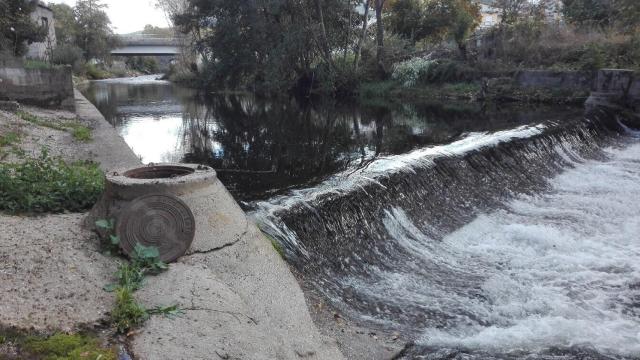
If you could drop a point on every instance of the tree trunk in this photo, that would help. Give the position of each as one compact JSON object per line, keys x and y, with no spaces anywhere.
{"x":365,"y":26}
{"x":380,"y":38}
{"x":323,"y":33}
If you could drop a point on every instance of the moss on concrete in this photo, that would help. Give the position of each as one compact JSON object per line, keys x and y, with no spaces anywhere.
{"x":59,"y":346}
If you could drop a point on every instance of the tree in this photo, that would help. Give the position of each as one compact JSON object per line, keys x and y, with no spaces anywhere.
{"x":435,"y":20}
{"x":65,"y":24}
{"x":629,"y":11}
{"x":510,"y":10}
{"x":589,"y":12}
{"x":94,"y":34}
{"x":16,"y":27}
{"x":379,"y":6}
{"x":270,"y":45}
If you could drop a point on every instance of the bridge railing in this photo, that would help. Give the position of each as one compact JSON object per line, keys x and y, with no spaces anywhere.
{"x":151,"y":40}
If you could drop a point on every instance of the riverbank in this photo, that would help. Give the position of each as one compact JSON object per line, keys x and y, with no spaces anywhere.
{"x":236,"y":300}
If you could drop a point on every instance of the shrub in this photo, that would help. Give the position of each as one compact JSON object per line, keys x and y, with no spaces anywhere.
{"x":68,"y":54}
{"x":50,"y":185}
{"x":593,"y":58}
{"x":409,"y":72}
{"x":448,"y":71}
{"x":95,"y":73}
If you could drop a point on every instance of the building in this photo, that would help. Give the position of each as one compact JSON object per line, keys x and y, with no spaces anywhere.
{"x":491,"y":15}
{"x":43,"y":15}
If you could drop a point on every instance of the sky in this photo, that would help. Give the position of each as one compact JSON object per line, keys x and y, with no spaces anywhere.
{"x":129,"y":15}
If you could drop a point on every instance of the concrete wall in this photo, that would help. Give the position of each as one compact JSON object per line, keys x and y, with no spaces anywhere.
{"x":43,"y":87}
{"x":565,"y":80}
{"x":617,"y":88}
{"x":42,"y":15}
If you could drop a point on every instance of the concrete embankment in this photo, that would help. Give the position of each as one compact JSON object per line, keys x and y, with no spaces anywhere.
{"x":238,"y":297}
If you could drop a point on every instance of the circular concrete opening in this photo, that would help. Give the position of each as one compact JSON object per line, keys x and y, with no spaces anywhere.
{"x":159,"y":172}
{"x":159,"y":205}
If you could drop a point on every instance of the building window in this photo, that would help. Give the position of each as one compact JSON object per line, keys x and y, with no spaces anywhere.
{"x":45,"y":22}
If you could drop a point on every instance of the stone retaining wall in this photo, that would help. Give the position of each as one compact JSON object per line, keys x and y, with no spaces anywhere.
{"x":617,"y":87}
{"x":548,"y":79}
{"x":49,"y":87}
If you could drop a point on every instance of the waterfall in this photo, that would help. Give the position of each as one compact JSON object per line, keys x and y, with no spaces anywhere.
{"x":498,"y":245}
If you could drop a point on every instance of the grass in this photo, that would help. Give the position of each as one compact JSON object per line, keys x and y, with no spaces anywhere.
{"x":67,"y":347}
{"x":127,"y":312}
{"x":48,"y":185}
{"x":58,"y":346}
{"x":81,"y":133}
{"x":10,"y":138}
{"x":36,"y":64}
{"x":78,"y":131}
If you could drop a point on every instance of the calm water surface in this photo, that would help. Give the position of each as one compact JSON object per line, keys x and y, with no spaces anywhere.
{"x":264,"y":147}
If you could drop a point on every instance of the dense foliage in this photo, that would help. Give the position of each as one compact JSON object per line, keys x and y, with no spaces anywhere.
{"x":51,"y":185}
{"x":333,"y":46}
{"x":268,"y":43}
{"x":434,"y":20}
{"x":83,"y":32}
{"x":16,"y":27}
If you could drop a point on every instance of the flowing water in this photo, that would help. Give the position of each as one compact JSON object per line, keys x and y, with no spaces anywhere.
{"x":481,"y":234}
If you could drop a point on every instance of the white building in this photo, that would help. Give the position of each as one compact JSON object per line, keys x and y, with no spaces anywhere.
{"x":43,"y":16}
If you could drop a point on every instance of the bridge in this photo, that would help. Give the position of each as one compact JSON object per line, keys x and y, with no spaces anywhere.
{"x":148,"y":45}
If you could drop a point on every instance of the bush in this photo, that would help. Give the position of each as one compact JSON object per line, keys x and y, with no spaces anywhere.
{"x":49,"y":185}
{"x":409,"y":72}
{"x":532,"y":44}
{"x":593,"y":58}
{"x":444,"y":71}
{"x":95,"y":73}
{"x":68,"y":54}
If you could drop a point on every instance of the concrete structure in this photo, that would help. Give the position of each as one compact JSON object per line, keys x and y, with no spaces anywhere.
{"x":549,"y":79}
{"x":49,"y":87}
{"x":240,"y":300}
{"x":617,"y":88}
{"x":148,"y":45}
{"x":490,"y":14}
{"x":43,"y":16}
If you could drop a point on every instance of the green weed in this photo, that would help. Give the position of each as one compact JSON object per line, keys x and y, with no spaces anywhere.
{"x":9,"y":138}
{"x":77,"y":130}
{"x":130,"y":277}
{"x":127,"y":313}
{"x":36,"y":64}
{"x":81,"y":133}
{"x":47,"y":185}
{"x":68,"y":347}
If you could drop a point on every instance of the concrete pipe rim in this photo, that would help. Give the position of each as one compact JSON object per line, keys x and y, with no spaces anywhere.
{"x":162,"y":173}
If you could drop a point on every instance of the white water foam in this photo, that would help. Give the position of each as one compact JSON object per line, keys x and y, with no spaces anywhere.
{"x":558,"y":269}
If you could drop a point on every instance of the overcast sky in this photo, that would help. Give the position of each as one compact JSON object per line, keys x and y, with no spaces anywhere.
{"x":129,"y":15}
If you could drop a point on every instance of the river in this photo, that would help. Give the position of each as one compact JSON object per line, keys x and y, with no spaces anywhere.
{"x":480,"y":232}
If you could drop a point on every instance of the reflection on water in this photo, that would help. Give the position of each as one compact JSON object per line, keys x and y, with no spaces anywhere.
{"x":261,"y":147}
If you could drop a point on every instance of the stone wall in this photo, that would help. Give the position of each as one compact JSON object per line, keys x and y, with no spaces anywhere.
{"x":616,"y":87}
{"x":549,"y":79}
{"x":51,"y":87}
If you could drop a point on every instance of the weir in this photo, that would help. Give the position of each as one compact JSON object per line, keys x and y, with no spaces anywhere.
{"x":378,"y":242}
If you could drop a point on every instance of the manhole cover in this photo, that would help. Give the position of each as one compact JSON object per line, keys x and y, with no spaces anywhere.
{"x":158,"y":220}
